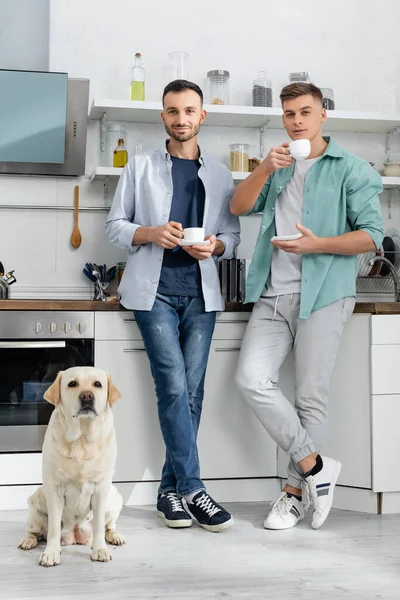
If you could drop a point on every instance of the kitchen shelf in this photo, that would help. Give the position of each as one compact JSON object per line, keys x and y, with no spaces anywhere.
{"x":243,"y":116}
{"x":114,"y":173}
{"x":104,"y":172}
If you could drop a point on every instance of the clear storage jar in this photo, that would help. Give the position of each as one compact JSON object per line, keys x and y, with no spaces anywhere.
{"x":328,"y":98}
{"x":299,"y":77}
{"x":113,"y":132}
{"x":218,"y":87}
{"x":262,"y":90}
{"x":239,"y":157}
{"x":179,"y":65}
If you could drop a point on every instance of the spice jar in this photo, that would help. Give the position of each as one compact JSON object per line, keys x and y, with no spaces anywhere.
{"x":253,"y":164}
{"x":218,"y":87}
{"x":328,"y":99}
{"x":239,"y":157}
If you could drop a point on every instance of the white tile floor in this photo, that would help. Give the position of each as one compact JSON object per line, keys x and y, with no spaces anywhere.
{"x":354,"y":556}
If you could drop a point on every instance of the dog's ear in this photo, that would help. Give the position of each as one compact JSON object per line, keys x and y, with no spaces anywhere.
{"x":113,"y":393}
{"x":53,"y":393}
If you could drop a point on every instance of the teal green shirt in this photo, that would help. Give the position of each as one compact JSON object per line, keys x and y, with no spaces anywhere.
{"x":341,"y":194}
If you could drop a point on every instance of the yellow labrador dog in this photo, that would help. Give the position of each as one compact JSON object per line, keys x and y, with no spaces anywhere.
{"x":77,"y":504}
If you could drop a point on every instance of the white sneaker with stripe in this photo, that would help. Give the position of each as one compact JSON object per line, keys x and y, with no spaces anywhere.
{"x":286,"y":512}
{"x":318,"y":490}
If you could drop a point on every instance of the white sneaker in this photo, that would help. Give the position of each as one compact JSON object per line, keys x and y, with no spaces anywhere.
{"x":318,"y":490}
{"x":286,"y":512}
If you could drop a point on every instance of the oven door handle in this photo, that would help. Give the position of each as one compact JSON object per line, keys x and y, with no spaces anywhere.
{"x":32,"y":344}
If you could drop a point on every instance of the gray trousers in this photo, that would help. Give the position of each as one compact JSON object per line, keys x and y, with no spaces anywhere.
{"x":274,"y":330}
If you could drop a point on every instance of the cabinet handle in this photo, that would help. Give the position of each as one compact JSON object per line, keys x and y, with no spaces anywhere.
{"x":227,"y":349}
{"x":134,"y":350}
{"x":129,"y":320}
{"x":233,"y":321}
{"x":32,"y":344}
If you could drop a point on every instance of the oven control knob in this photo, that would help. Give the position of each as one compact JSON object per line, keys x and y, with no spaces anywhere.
{"x":52,"y":327}
{"x":37,"y":327}
{"x":81,"y":327}
{"x":67,"y":327}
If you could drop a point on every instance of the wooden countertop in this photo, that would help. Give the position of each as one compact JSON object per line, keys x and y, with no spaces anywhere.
{"x":374,"y":308}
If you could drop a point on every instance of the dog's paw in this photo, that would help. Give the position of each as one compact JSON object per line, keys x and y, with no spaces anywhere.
{"x":101,"y":554}
{"x":114,"y":537}
{"x":28,"y":542}
{"x":50,"y":558}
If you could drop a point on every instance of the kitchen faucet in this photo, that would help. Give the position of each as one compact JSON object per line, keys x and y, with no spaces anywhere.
{"x":395,"y":275}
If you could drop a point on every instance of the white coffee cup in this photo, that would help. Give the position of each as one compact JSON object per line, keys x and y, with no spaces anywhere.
{"x":193,"y":234}
{"x":300,"y":149}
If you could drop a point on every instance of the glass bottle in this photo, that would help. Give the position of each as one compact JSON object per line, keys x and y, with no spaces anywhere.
{"x":120,"y":154}
{"x":137,"y":83}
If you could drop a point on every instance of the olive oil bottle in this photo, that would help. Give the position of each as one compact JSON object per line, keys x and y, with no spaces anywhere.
{"x":137,"y":83}
{"x":120,"y":154}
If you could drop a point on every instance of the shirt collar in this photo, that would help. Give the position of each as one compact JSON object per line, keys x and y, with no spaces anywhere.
{"x":166,"y":155}
{"x":332,"y":148}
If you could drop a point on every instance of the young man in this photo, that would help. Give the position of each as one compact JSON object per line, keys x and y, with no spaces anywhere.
{"x":304,"y":291}
{"x":174,"y":291}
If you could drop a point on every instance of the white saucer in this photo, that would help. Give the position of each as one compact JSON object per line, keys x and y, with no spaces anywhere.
{"x":286,"y":238}
{"x":187,"y":243}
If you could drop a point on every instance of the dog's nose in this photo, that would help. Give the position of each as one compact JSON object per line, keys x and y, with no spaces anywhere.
{"x":86,"y":396}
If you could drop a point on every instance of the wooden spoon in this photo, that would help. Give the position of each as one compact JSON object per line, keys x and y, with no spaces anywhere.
{"x":76,"y":238}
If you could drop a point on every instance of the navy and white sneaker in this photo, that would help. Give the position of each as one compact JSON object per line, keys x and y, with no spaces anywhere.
{"x":286,"y":512}
{"x":208,"y":513}
{"x":318,"y":490}
{"x":170,"y":508}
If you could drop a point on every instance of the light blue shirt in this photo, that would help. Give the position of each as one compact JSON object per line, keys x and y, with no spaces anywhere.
{"x":341,"y":194}
{"x":143,"y":198}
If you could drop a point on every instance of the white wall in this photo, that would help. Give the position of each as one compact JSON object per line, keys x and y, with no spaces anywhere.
{"x":24,"y":34}
{"x":349,"y":46}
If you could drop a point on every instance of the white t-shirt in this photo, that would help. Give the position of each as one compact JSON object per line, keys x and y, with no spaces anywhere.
{"x":285,"y":276}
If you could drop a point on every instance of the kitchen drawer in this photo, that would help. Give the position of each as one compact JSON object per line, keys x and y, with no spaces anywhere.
{"x":116,"y":326}
{"x":385,"y":369}
{"x":385,"y":329}
{"x":229,"y":330}
{"x":386,"y":443}
{"x":122,"y":326}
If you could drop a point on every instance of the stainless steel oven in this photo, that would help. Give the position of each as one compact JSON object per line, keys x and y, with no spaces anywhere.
{"x":34,"y":346}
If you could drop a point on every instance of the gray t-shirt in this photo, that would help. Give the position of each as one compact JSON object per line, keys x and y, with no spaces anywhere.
{"x":285,"y":276}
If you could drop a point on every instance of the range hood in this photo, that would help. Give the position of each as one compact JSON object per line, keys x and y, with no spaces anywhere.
{"x":43,"y":117}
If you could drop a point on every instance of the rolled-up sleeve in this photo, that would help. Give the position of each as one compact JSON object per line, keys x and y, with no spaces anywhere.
{"x":363,"y":187}
{"x":119,"y":226}
{"x":229,"y":230}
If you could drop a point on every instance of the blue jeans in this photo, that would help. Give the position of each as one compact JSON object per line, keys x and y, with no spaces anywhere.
{"x":177,"y":335}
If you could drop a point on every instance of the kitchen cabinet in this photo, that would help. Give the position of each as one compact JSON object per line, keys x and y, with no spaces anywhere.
{"x":364,"y":405}
{"x":385,"y":383}
{"x":232,"y":443}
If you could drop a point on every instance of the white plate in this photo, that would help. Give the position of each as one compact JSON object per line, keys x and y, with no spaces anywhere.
{"x":187,"y":243}
{"x":286,"y":238}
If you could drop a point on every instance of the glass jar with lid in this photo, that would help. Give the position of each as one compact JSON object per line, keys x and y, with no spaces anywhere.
{"x":218,"y":87}
{"x":328,"y":98}
{"x":299,"y":77}
{"x":239,"y":157}
{"x":262,"y":90}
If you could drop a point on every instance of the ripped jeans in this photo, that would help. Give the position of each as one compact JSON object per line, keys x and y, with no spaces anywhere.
{"x":177,"y":336}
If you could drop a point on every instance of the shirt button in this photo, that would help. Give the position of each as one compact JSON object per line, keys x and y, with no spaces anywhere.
{"x":280,"y":187}
{"x":264,"y":227}
{"x":272,"y":209}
